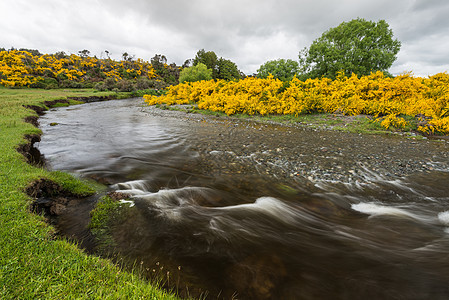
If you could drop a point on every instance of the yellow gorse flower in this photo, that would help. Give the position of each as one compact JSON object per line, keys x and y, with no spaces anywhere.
{"x":21,"y":68}
{"x":387,"y":99}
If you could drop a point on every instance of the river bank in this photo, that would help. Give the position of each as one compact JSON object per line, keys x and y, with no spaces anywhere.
{"x":34,"y":262}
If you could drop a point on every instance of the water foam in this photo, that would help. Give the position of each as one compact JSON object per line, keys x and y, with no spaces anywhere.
{"x":268,"y":206}
{"x":137,"y":187}
{"x":131,"y":203}
{"x":374,"y":209}
{"x":443,"y":217}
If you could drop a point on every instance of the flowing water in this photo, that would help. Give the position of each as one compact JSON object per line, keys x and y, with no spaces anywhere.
{"x":236,"y":209}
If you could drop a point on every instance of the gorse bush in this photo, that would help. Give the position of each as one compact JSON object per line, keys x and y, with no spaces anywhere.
{"x":23,"y":68}
{"x":388,"y":99}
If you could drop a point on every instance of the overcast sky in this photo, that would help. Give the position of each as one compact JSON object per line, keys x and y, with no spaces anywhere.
{"x":248,"y":32}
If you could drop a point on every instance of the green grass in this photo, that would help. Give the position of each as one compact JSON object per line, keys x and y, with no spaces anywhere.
{"x":34,"y":264}
{"x":107,"y":213}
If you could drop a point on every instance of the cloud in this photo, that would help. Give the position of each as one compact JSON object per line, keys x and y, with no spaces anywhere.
{"x":249,"y":32}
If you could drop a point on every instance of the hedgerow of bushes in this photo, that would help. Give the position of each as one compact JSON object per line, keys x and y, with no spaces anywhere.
{"x":389,"y":100}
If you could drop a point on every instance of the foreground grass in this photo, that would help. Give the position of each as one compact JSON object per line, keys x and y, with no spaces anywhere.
{"x":33,"y":263}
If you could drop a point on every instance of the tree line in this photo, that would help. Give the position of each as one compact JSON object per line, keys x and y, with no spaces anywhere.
{"x":358,"y":46}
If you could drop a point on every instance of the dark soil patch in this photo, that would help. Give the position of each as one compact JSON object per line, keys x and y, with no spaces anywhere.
{"x":33,"y":120}
{"x":49,"y":197}
{"x":32,"y":154}
{"x":56,"y":204}
{"x":54,"y":102}
{"x":92,"y":98}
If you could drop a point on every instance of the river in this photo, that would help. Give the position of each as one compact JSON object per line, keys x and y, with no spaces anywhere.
{"x":225,"y":208}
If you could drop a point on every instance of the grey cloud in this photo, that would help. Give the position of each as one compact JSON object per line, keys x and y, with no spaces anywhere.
{"x":249,"y":32}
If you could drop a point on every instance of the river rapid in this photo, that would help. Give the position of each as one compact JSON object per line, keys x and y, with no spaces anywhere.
{"x":225,"y":208}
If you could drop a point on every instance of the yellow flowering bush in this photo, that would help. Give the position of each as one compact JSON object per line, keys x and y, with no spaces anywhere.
{"x":388,"y":99}
{"x":22,"y":68}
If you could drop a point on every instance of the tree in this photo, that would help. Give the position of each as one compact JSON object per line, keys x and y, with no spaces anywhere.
{"x":168,"y":73}
{"x":60,"y":55}
{"x":208,"y":58}
{"x":84,"y":53}
{"x":195,"y":73}
{"x":357,"y":46}
{"x":127,"y":57}
{"x":158,"y":62}
{"x":221,"y":68}
{"x":32,"y":51}
{"x":227,"y":70}
{"x":281,"y":69}
{"x":188,"y":63}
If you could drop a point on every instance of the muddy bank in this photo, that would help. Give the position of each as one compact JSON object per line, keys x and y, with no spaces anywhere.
{"x":60,"y":206}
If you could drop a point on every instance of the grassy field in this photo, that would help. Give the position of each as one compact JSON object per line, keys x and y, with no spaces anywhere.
{"x":34,"y":264}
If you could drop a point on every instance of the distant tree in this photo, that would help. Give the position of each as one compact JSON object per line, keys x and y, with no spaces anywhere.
{"x":168,"y":73}
{"x":282,"y":69}
{"x":227,"y":70}
{"x":127,"y":57}
{"x":208,"y":58}
{"x":159,"y":62}
{"x":221,"y":68}
{"x":357,"y":46}
{"x":60,"y":54}
{"x":171,"y":74}
{"x":32,"y":51}
{"x":195,"y":73}
{"x":188,"y":63}
{"x":84,"y":53}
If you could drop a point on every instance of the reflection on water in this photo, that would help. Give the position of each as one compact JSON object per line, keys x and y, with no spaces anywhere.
{"x":229,"y":209}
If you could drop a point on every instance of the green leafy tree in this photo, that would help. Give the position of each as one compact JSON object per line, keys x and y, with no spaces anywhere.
{"x":195,"y":73}
{"x":221,"y":68}
{"x":357,"y":46}
{"x":227,"y":70}
{"x":208,"y":58}
{"x":283,"y":69}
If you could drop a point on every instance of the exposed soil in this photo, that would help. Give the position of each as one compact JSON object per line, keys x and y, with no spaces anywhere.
{"x":31,"y":154}
{"x":92,"y":98}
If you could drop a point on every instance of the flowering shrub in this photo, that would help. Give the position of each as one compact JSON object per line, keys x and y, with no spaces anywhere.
{"x":22,"y":68}
{"x":387,"y":99}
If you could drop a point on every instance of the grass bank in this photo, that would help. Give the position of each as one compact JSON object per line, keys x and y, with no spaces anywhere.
{"x":34,"y":264}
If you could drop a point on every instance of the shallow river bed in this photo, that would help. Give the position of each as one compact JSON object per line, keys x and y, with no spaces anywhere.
{"x":233,"y":208}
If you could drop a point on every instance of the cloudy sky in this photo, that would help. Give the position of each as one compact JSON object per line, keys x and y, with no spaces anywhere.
{"x":248,"y":32}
